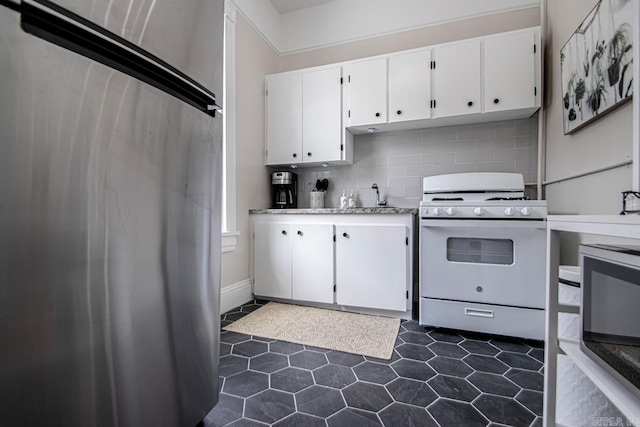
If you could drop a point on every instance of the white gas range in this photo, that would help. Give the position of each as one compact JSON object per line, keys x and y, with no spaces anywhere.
{"x":479,"y":196}
{"x":482,"y":255}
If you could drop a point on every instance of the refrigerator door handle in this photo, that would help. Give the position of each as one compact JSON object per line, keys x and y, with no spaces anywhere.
{"x":51,"y":22}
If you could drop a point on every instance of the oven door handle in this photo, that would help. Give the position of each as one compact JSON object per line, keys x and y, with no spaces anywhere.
{"x":483,"y":223}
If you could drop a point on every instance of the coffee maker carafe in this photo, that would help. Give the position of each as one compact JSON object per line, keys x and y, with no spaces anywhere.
{"x":284,"y":194}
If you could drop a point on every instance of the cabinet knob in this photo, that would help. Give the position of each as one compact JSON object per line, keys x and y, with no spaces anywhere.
{"x":377,"y":114}
{"x":295,"y":155}
{"x":470,"y":103}
{"x":309,"y":154}
{"x":284,"y":233}
{"x":299,"y":233}
{"x":479,"y":289}
{"x":399,"y":112}
{"x":495,"y":101}
{"x":345,"y":235}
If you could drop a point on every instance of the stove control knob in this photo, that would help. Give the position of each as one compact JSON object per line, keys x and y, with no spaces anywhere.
{"x":437,"y":211}
{"x":526,"y":211}
{"x":478,"y":211}
{"x":451,"y":211}
{"x":510,"y":211}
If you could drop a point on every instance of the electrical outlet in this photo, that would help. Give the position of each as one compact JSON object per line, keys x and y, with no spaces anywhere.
{"x":633,"y":203}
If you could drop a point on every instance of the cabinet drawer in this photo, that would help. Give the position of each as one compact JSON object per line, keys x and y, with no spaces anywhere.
{"x":490,"y":319}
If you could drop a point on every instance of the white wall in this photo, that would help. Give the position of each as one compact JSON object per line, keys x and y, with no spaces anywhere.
{"x":349,"y":20}
{"x":343,"y":21}
{"x":600,"y":144}
{"x":254,"y":59}
{"x":397,"y":161}
{"x":431,"y":35}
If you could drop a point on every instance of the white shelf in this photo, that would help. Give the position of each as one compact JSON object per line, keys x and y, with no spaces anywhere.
{"x":622,"y":398}
{"x":610,"y":225}
{"x":625,"y":226}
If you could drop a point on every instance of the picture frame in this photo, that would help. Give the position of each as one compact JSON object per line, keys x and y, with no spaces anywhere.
{"x":597,"y":64}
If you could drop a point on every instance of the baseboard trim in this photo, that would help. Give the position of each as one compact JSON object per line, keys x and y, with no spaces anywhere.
{"x":235,"y":295}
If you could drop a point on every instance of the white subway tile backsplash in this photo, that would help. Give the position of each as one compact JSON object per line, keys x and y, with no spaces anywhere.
{"x":440,"y":134}
{"x":476,"y":132}
{"x":422,"y":170}
{"x":417,"y":148}
{"x":474,"y":157}
{"x":526,"y":166}
{"x":526,"y":142}
{"x":359,"y":173}
{"x":495,"y":144}
{"x":387,"y":172}
{"x":413,"y":191}
{"x":456,"y":146}
{"x":407,"y":181}
{"x":505,"y":155}
{"x":397,"y":161}
{"x":496,"y":167}
{"x":404,"y":160}
{"x":457,"y":168}
{"x":530,"y":177}
{"x":372,"y":162}
{"x":392,"y":192}
{"x":438,"y":158}
{"x":367,"y":183}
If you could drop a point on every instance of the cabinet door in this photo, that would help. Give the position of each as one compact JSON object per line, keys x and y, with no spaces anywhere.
{"x":312,"y":262}
{"x":509,"y":72}
{"x":372,"y":266}
{"x":409,"y":86}
{"x":456,"y":79}
{"x":272,"y":260}
{"x":322,"y":115}
{"x":367,"y":82}
{"x":284,"y":119}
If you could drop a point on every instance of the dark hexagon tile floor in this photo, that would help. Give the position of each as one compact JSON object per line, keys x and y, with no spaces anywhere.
{"x":435,"y":378}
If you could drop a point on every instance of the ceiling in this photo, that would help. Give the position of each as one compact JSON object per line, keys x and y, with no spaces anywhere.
{"x":286,"y":6}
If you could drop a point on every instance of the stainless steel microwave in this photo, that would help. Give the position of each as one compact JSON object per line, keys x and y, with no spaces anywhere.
{"x":610,"y":332}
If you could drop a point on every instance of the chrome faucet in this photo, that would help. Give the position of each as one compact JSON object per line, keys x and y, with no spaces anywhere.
{"x":378,"y":201}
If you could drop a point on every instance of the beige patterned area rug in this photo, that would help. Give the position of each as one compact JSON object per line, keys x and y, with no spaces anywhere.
{"x":372,"y":336}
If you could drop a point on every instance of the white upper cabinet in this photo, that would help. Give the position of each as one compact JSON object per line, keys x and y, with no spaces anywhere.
{"x":367,"y":83}
{"x":510,"y":72}
{"x":409,"y":86}
{"x":304,"y":118}
{"x":311,"y":116}
{"x":456,"y":78}
{"x":322,"y":115}
{"x":284,"y":118}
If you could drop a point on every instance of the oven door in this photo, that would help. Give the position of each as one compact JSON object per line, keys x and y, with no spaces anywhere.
{"x":494,"y":262}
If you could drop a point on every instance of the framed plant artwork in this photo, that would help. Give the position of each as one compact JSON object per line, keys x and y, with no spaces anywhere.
{"x":597,"y":64}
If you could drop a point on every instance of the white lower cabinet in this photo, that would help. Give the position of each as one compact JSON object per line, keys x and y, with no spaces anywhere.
{"x":272,"y":259}
{"x":371,"y":266}
{"x":312,"y":262}
{"x":294,"y":261}
{"x":361,"y":261}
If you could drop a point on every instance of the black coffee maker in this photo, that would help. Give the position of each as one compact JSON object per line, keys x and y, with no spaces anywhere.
{"x":284,"y":193}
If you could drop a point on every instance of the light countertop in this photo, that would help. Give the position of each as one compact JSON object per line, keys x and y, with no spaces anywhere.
{"x":333,"y":211}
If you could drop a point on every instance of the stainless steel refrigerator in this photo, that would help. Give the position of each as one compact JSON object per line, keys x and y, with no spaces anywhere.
{"x":110,"y":195}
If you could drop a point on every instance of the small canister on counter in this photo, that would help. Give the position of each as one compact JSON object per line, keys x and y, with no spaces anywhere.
{"x":316,"y":200}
